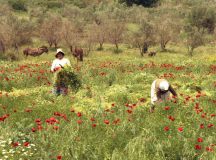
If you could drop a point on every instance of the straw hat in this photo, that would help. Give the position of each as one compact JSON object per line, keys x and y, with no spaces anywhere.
{"x":59,"y":51}
{"x":164,"y":85}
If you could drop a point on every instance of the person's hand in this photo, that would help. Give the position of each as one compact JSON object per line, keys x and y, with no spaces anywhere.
{"x":57,"y":68}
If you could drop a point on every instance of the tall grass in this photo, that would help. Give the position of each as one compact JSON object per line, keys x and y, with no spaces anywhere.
{"x":109,"y":117}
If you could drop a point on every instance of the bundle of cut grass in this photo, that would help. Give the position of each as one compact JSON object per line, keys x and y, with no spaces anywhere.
{"x":68,"y":78}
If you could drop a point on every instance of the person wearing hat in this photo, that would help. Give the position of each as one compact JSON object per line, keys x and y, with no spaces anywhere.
{"x":160,"y":91}
{"x":59,"y":63}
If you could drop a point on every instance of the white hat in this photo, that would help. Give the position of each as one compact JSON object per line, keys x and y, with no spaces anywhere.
{"x":164,"y":85}
{"x":59,"y":50}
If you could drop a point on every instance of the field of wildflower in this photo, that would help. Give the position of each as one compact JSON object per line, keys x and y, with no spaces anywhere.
{"x":109,"y":118}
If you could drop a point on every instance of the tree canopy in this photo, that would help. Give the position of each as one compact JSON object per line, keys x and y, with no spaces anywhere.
{"x":145,"y":3}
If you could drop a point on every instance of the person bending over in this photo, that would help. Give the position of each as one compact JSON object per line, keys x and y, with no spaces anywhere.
{"x":160,"y":91}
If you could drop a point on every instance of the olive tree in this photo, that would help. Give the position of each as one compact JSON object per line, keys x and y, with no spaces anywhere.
{"x":115,"y":33}
{"x":145,"y":3}
{"x":167,"y":29}
{"x":194,"y":38}
{"x":16,"y":32}
{"x":143,"y":38}
{"x":204,"y":18}
{"x":51,"y":30}
{"x":71,"y":34}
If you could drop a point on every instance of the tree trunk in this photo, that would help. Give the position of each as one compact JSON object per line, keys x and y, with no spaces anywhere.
{"x":56,"y":45}
{"x":101,"y":46}
{"x":145,"y":48}
{"x":2,"y":47}
{"x":190,"y":51}
{"x":50,"y":44}
{"x":117,"y":47}
{"x":141,"y":51}
{"x":16,"y":48}
{"x":163,"y":47}
{"x":71,"y":49}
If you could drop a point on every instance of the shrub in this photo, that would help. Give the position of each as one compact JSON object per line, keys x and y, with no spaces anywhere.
{"x":54,"y":4}
{"x":194,"y":38}
{"x":145,"y":3}
{"x":203,"y":18}
{"x":18,"y":5}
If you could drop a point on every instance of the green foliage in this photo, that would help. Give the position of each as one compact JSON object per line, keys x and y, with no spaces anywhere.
{"x":203,"y":18}
{"x":132,"y":133}
{"x":194,"y":38}
{"x":145,"y":3}
{"x":19,"y":5}
{"x":54,"y":4}
{"x":69,"y":78}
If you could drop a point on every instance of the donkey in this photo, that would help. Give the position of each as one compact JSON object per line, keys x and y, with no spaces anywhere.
{"x":77,"y":53}
{"x":152,"y":54}
{"x":35,"y":51}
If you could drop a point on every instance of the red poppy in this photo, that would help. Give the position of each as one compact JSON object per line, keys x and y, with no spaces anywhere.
{"x":33,"y":130}
{"x":64,"y":116}
{"x":4,"y":117}
{"x":126,"y":105}
{"x":199,"y":139}
{"x":175,"y":101}
{"x":166,"y":108}
{"x":59,"y":157}
{"x":209,"y":149}
{"x":79,"y":121}
{"x":198,"y":147}
{"x":92,"y":119}
{"x":210,"y":125}
{"x":171,"y":118}
{"x":94,"y":125}
{"x":129,"y":111}
{"x":28,"y":110}
{"x":142,"y":100}
{"x":39,"y":127}
{"x":26,"y":144}
{"x":55,"y":127}
{"x":106,"y":121}
{"x":15,"y":144}
{"x":57,"y":114}
{"x":180,"y":129}
{"x":203,"y":115}
{"x":213,"y":115}
{"x":79,"y":114}
{"x":38,"y":120}
{"x":116,"y":121}
{"x":202,"y":126}
{"x":166,"y":128}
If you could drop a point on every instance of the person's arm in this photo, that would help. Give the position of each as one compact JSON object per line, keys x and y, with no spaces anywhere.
{"x":153,"y":93}
{"x":53,"y":66}
{"x":173,"y":91}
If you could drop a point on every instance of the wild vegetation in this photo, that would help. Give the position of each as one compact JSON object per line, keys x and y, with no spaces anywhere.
{"x":126,"y":46}
{"x":90,"y":25}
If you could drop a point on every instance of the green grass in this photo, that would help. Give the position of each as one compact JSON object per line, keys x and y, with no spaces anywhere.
{"x":116,"y":89}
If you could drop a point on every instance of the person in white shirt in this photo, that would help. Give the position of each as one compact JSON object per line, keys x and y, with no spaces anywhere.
{"x":160,"y":91}
{"x":59,"y":63}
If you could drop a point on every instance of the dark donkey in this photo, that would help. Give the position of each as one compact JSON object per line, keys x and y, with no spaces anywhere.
{"x":152,"y":54}
{"x":35,"y":51}
{"x":77,"y":53}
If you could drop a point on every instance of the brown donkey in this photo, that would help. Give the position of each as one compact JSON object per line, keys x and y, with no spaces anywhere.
{"x":77,"y":53}
{"x":35,"y":51}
